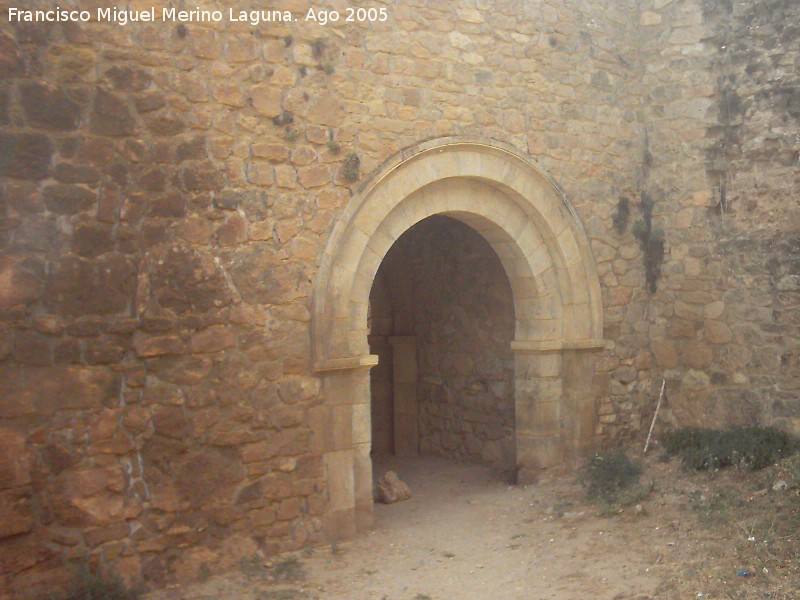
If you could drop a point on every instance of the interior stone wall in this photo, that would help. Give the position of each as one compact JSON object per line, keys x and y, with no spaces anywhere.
{"x":450,"y":292}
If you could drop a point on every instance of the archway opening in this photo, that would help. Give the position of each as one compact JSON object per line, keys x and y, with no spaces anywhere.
{"x":441,"y":321}
{"x":558,"y":319}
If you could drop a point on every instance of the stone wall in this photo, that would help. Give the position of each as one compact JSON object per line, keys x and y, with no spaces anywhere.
{"x":720,"y":164}
{"x":449,"y":290}
{"x":166,"y":192}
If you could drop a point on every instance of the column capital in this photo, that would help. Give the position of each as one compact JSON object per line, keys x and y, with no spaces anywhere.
{"x":552,"y":346}
{"x":347,"y":363}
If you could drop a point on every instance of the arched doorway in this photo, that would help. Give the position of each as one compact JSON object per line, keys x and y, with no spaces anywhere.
{"x":442,"y":302}
{"x":538,"y":237}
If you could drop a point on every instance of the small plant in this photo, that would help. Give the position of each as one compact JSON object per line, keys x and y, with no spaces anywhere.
{"x":291,"y":134}
{"x":328,"y":67}
{"x":608,"y":475}
{"x":651,"y":241}
{"x":334,"y":147}
{"x":285,"y":118}
{"x":94,"y":583}
{"x":289,"y":569}
{"x":252,"y":567}
{"x":622,"y":215}
{"x":351,"y":167}
{"x":318,"y":48}
{"x":710,"y":449}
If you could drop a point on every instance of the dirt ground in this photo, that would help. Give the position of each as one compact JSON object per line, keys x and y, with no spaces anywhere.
{"x":467,"y":534}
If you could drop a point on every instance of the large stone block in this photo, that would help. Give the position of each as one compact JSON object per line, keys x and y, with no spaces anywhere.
{"x":184,"y":281}
{"x":110,"y":115}
{"x":49,"y":107}
{"x":262,"y":278}
{"x":14,"y":460}
{"x":20,"y":280}
{"x":25,"y":156}
{"x":45,"y":390}
{"x":67,"y":199}
{"x":81,"y":287}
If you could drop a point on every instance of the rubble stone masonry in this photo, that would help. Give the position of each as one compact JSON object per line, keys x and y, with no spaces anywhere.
{"x":167,"y":191}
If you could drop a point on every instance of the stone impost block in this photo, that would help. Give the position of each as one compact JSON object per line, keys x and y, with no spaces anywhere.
{"x":340,"y":478}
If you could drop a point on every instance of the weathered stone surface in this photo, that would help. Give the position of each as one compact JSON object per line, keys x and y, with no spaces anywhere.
{"x":171,"y":205}
{"x":267,"y":100}
{"x":205,"y":176}
{"x":172,"y":422}
{"x":193,"y":149}
{"x":717,"y":332}
{"x":4,"y":119}
{"x":20,"y":280}
{"x":327,"y":110}
{"x":262,"y":278}
{"x":148,"y":346}
{"x":110,"y":114}
{"x":14,"y":460}
{"x":11,"y":59}
{"x":166,"y":125}
{"x":45,"y":390}
{"x":201,"y":479}
{"x":58,"y":457}
{"x":186,"y":280}
{"x":21,"y":553}
{"x":49,"y":107}
{"x":212,"y":339}
{"x":32,"y":348}
{"x":69,"y":173}
{"x":92,"y":239}
{"x":194,"y":230}
{"x":232,"y":231}
{"x":181,"y":370}
{"x":129,"y":79}
{"x":68,"y":199}
{"x":16,"y":514}
{"x":79,"y":287}
{"x":25,"y":155}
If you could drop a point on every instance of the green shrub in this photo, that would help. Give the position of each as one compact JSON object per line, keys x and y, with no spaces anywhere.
{"x":709,"y":449}
{"x":351,"y":167}
{"x":94,"y":583}
{"x":608,"y":475}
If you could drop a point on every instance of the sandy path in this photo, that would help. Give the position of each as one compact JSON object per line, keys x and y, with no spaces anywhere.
{"x":467,"y":534}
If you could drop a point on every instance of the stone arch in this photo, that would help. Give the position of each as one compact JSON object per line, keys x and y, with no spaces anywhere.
{"x":544,"y":250}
